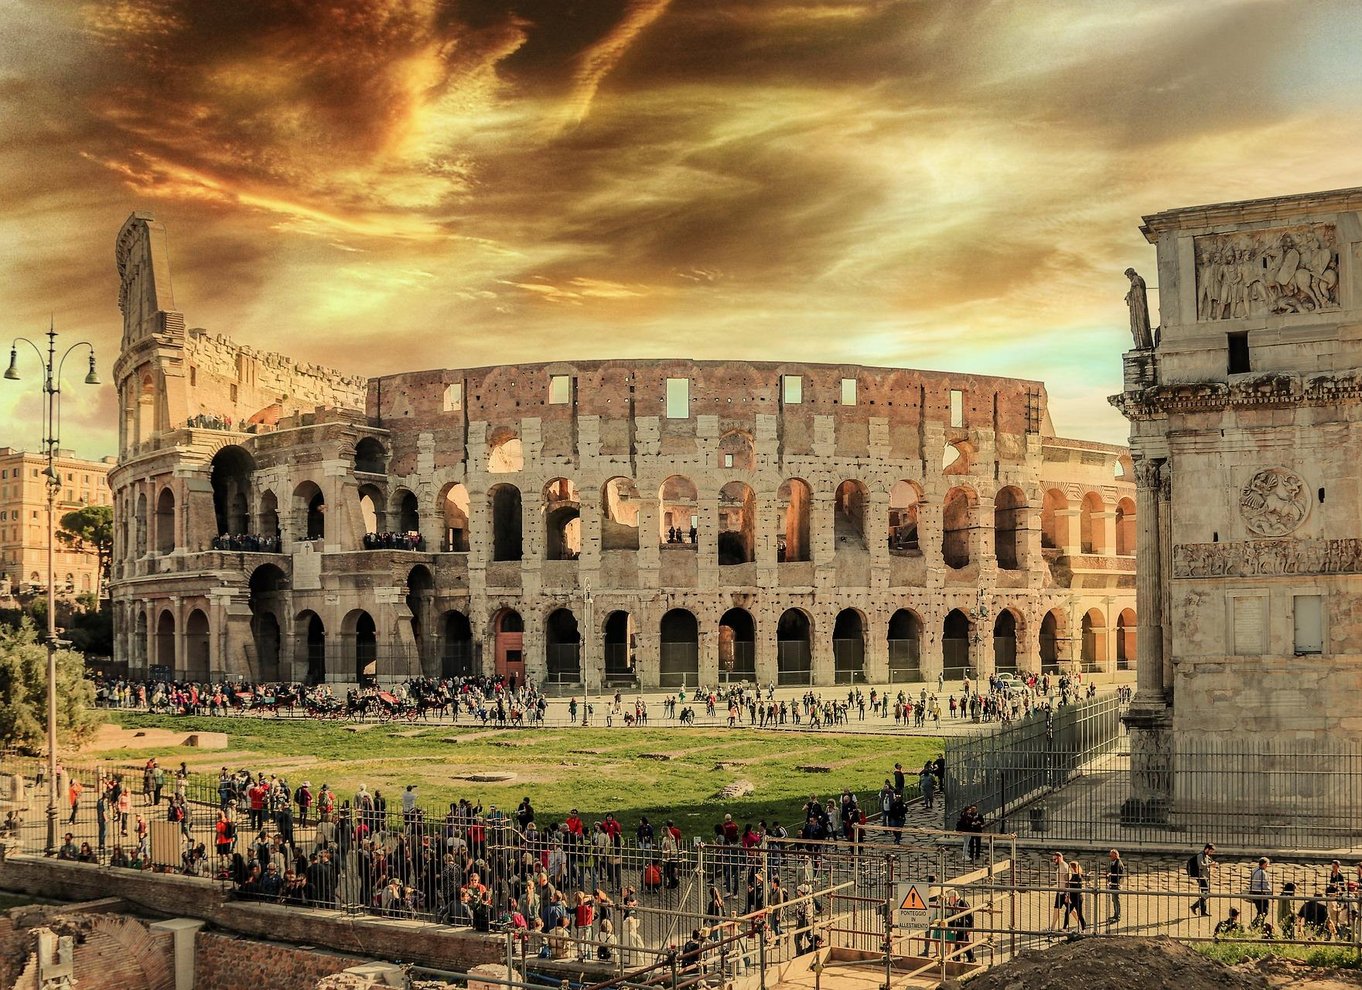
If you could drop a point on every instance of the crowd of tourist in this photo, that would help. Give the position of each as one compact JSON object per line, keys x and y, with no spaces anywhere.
{"x":248,"y":542}
{"x":394,"y":541}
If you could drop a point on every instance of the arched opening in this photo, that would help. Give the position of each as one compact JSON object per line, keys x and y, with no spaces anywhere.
{"x":1090,"y":524}
{"x":562,"y":520}
{"x":737,"y":647}
{"x":196,"y":661}
{"x":848,"y":647}
{"x":141,"y":525}
{"x":792,"y":536}
{"x":504,"y":501}
{"x":905,"y":498}
{"x":619,"y":515}
{"x":266,"y":602}
{"x":455,"y":506}
{"x":619,"y":652}
{"x":505,"y":454}
{"x":1125,"y":528}
{"x":310,"y":635}
{"x":456,"y":653}
{"x":370,"y":457}
{"x":1123,"y":469}
{"x":421,"y":603}
{"x":371,"y":513}
{"x":165,"y":521}
{"x":1052,"y":633}
{"x":269,"y":516}
{"x":230,"y":475}
{"x":366,"y":646}
{"x":508,"y":640}
{"x":1054,"y":520}
{"x":849,"y":515}
{"x":736,"y":452}
{"x":794,"y":650}
{"x":1005,"y":642}
{"x":407,"y":513}
{"x":1125,"y":640}
{"x":1094,"y":641}
{"x":955,"y":636}
{"x":737,"y":524}
{"x":905,"y":647}
{"x":309,"y":506}
{"x":679,"y":513}
{"x":563,"y":648}
{"x":165,"y":644}
{"x":955,"y":458}
{"x":680,"y":657}
{"x":85,"y":583}
{"x":956,"y":520}
{"x":1009,"y":528}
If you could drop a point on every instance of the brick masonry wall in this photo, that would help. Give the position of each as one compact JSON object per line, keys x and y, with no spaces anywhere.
{"x":225,"y":962}
{"x":172,"y":896}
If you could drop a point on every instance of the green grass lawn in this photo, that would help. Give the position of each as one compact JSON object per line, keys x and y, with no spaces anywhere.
{"x":594,"y":770}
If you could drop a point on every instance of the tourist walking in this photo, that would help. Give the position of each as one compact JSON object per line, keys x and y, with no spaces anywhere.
{"x":1260,"y":892}
{"x":1061,"y":869}
{"x":1116,"y":871}
{"x":1199,"y":869}
{"x":1074,"y":906}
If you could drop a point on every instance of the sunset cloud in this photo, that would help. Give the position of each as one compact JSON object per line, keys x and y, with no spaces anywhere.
{"x":417,"y":183}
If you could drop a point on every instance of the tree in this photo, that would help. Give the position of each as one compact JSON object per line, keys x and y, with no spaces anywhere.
{"x":89,"y":529}
{"x":23,"y":693}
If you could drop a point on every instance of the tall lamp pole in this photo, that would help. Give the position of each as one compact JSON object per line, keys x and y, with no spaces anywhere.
{"x":52,"y":368}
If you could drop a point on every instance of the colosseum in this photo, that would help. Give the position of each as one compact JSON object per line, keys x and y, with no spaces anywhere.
{"x":584,"y":524}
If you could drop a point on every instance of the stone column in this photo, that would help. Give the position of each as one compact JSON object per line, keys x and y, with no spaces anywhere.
{"x":1072,"y":528}
{"x":1148,"y":719}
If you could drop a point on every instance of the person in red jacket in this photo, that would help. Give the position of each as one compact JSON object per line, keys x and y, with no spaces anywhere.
{"x":574,"y":823}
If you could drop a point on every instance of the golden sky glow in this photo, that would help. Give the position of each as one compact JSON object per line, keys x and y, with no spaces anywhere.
{"x":386,"y":185}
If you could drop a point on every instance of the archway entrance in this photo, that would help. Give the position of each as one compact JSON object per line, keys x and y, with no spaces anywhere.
{"x":165,"y":645}
{"x":955,"y":632}
{"x":266,"y":598}
{"x":230,"y":475}
{"x":366,"y":649}
{"x":905,"y":647}
{"x":313,"y":635}
{"x":456,"y":654}
{"x":737,"y":647}
{"x":619,"y":663}
{"x":508,"y":635}
{"x":1094,"y":642}
{"x":680,"y":658}
{"x":794,"y":653}
{"x":1051,"y":630}
{"x":848,"y":648}
{"x":1005,"y":642}
{"x":563,"y":648}
{"x":196,"y":646}
{"x":1125,"y":640}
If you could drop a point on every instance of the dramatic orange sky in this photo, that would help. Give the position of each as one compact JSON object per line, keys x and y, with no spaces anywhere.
{"x":400,"y":184}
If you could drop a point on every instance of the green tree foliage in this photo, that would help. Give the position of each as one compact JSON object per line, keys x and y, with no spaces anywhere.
{"x":89,"y":529}
{"x":23,"y":693}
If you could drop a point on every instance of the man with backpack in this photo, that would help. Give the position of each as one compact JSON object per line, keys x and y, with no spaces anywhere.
{"x":1199,"y":869}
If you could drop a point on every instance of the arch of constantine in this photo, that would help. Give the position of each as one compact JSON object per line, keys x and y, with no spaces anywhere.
{"x":653,"y":522}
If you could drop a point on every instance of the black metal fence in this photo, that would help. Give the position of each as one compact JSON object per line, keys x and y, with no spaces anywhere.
{"x":1014,"y":764}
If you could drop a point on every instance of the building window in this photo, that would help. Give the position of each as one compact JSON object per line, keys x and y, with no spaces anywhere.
{"x":848,"y":391}
{"x":454,"y":397}
{"x":1239,"y":362}
{"x":678,"y":398}
{"x":728,"y":460}
{"x":193,"y":376}
{"x":957,"y":407}
{"x":560,"y":390}
{"x":792,"y":389}
{"x":1309,"y":623}
{"x":234,"y":393}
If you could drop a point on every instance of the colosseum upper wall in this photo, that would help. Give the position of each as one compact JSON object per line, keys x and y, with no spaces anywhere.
{"x":649,"y":522}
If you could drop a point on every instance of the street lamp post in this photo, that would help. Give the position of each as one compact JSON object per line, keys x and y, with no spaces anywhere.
{"x":52,"y":368}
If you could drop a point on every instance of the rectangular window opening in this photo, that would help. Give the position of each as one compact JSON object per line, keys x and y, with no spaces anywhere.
{"x":678,"y":398}
{"x":560,"y":390}
{"x":848,"y":391}
{"x":728,"y":460}
{"x":1239,"y":362}
{"x":454,"y":397}
{"x":957,"y":407}
{"x":792,"y":389}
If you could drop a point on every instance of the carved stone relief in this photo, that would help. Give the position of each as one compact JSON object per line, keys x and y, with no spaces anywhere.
{"x":1257,"y":558}
{"x":1257,"y":272}
{"x":1274,"y":502}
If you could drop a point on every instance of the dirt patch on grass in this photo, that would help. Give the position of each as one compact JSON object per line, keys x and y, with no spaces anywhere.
{"x":1288,"y":974}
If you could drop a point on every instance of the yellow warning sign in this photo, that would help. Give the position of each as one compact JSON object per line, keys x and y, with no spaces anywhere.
{"x":912,"y":901}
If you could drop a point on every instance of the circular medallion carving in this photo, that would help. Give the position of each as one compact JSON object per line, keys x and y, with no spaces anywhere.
{"x":1274,"y":502}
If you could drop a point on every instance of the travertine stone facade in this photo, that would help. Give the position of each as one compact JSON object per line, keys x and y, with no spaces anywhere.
{"x":656,"y":522}
{"x":1244,"y":434}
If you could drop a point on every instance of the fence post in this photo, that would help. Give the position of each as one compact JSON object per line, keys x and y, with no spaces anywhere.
{"x":888,"y":921}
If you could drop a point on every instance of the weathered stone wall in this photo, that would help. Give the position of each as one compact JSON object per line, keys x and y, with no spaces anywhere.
{"x":225,"y":962}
